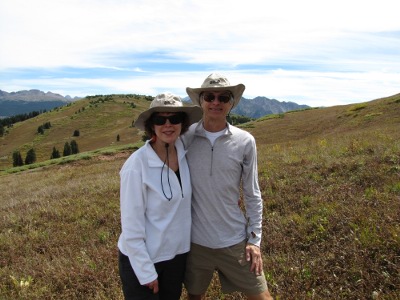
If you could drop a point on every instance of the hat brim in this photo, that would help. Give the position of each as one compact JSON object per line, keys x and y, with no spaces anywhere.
{"x":194,"y":114}
{"x":236,"y":90}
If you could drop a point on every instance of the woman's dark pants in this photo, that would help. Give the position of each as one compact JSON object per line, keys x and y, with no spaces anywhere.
{"x":170,"y":279}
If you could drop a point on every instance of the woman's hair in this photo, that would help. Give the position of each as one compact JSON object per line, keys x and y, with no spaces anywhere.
{"x":149,"y":125}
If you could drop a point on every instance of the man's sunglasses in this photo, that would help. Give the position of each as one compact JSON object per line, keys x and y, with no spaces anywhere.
{"x":210,"y":97}
{"x":173,"y":119}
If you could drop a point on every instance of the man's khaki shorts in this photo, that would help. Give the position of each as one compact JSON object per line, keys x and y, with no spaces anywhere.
{"x":231,"y":265}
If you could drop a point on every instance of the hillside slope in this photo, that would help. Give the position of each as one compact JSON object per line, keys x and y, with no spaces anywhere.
{"x":380,"y":114}
{"x":99,"y":119}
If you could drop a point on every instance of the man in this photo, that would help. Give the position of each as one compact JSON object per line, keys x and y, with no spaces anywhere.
{"x":222,"y":159}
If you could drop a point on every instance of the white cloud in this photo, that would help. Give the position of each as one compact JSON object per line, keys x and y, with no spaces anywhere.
{"x":307,"y":49}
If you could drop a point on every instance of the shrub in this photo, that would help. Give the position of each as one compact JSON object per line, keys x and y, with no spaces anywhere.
{"x":74,"y":147}
{"x":55,"y":153}
{"x":67,"y":149}
{"x":30,"y":157}
{"x":17,"y":159}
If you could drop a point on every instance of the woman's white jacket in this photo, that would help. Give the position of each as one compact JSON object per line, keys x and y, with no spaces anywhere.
{"x":154,"y":228}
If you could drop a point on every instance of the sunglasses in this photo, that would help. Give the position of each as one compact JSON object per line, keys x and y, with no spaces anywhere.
{"x":224,"y":98}
{"x":174,"y":119}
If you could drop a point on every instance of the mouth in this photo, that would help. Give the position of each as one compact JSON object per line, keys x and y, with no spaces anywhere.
{"x":169,"y":132}
{"x":217,"y":109}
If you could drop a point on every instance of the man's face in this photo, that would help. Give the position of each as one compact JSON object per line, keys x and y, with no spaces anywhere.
{"x":216,"y":104}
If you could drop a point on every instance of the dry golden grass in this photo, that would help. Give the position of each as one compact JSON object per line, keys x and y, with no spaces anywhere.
{"x":59,"y":227}
{"x":330,"y":180}
{"x":331,"y":226}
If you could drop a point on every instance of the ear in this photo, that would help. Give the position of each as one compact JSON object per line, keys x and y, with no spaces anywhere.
{"x":201,"y":99}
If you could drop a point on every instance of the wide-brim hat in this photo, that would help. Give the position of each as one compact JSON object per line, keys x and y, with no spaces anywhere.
{"x":216,"y":82}
{"x":168,"y":102}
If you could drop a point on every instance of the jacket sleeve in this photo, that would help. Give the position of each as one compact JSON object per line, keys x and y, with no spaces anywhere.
{"x":133,"y":208}
{"x":252,"y":195}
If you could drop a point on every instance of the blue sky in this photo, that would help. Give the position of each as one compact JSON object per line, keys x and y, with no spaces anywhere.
{"x":319,"y":53}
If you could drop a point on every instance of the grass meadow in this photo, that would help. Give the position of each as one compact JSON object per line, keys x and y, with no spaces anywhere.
{"x":331,"y":217}
{"x":332,"y":210}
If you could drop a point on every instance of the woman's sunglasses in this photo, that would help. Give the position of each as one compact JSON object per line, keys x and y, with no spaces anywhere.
{"x":224,"y":98}
{"x":173,"y":119}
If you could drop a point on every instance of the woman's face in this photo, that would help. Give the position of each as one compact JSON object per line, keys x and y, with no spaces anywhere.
{"x":167,"y":126}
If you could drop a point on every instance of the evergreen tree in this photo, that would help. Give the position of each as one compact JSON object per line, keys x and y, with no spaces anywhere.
{"x":74,"y":147}
{"x":1,"y":130}
{"x":30,"y":157}
{"x":55,"y":153}
{"x":17,"y":159}
{"x":40,"y":129}
{"x":118,"y":138}
{"x":67,"y":149}
{"x":76,"y":133}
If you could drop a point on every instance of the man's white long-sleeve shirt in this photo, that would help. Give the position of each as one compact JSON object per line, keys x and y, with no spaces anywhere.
{"x":218,"y":173}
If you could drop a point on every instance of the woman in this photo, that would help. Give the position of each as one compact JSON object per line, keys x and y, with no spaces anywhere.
{"x":155,"y":200}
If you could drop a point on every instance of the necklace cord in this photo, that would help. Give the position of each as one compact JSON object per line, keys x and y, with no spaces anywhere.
{"x":166,"y":162}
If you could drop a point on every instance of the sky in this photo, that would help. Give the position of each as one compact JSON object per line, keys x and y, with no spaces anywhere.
{"x":313,"y":52}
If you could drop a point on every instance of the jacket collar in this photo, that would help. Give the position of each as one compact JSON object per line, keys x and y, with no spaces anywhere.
{"x":199,"y":129}
{"x":155,"y":161}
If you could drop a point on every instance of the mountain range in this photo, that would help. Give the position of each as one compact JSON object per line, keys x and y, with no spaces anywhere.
{"x":21,"y":102}
{"x":34,"y":95}
{"x":261,"y":106}
{"x":25,"y":101}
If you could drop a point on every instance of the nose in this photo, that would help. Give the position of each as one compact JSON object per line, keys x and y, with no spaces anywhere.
{"x":216,"y":99}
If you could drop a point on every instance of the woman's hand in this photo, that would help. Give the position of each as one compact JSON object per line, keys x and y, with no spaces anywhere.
{"x":153,"y":286}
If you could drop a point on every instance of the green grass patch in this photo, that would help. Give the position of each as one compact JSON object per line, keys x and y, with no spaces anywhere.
{"x":358,"y":107}
{"x":111,"y":150}
{"x":271,"y":117}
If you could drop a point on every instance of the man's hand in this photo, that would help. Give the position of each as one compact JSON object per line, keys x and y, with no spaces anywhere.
{"x":253,"y":254}
{"x":153,"y":286}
